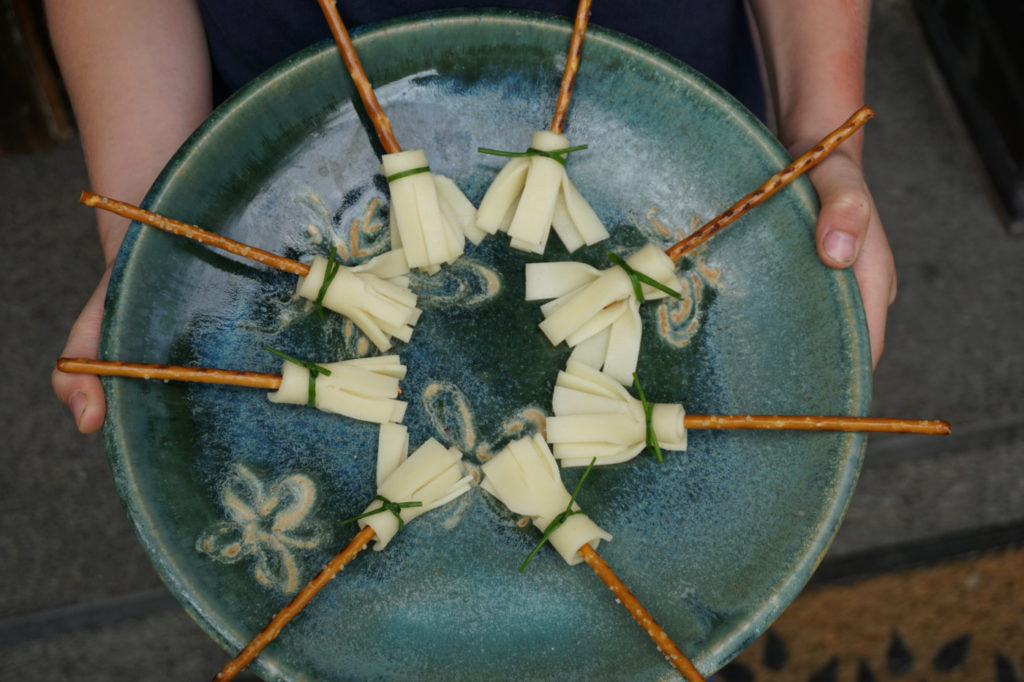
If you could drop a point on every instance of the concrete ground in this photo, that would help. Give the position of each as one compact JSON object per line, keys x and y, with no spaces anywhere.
{"x":80,"y":601}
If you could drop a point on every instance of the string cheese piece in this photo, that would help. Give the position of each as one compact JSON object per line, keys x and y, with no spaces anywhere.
{"x":525,"y":478}
{"x":594,"y":416}
{"x":433,"y":475}
{"x":364,"y":389}
{"x":429,"y":213}
{"x":375,"y":295}
{"x":533,"y":194}
{"x":596,"y":311}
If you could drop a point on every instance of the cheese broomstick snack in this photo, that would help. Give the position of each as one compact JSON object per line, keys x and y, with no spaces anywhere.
{"x":596,"y":312}
{"x":533,"y":193}
{"x":596,"y":419}
{"x":375,"y":295}
{"x":525,"y":478}
{"x":364,"y":388}
{"x":407,"y":487}
{"x":430,"y":216}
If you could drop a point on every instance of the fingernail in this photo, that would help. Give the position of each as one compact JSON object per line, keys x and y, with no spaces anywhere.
{"x":840,"y":246}
{"x":78,"y":405}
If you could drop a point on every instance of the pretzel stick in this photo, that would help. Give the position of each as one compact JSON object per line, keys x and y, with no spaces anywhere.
{"x":691,"y":421}
{"x":195,"y":233}
{"x":572,"y":65}
{"x":355,"y":68}
{"x":273,"y":629}
{"x":640,"y":615}
{"x":812,"y":423}
{"x":138,"y":370}
{"x":801,"y":164}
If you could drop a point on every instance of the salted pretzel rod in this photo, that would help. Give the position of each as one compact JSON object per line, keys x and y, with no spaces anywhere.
{"x":640,"y":614}
{"x":355,"y":68}
{"x":572,"y":65}
{"x":817,"y":423}
{"x":273,"y":629}
{"x":800,"y":165}
{"x":194,"y":233}
{"x":139,"y":370}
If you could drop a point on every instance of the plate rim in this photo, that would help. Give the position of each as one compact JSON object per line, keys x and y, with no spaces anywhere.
{"x":760,"y":619}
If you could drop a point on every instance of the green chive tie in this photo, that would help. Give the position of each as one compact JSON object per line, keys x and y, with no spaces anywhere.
{"x":637,"y":279}
{"x":406,"y":173}
{"x":652,"y":439}
{"x":386,"y":505}
{"x":333,"y":266}
{"x":556,"y":154}
{"x":560,"y":519}
{"x":314,"y":371}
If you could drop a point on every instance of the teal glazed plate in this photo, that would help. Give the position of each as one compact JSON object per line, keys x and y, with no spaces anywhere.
{"x":239,"y":501}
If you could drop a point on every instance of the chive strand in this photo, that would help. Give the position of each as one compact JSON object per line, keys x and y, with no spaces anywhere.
{"x":561,"y":518}
{"x":386,"y":506}
{"x":556,"y":154}
{"x":407,"y":173}
{"x":637,"y":279}
{"x":333,"y":266}
{"x":314,"y":371}
{"x":651,"y":438}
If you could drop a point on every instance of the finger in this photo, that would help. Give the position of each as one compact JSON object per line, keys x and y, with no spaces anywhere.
{"x":875,"y":271}
{"x":846,"y":211}
{"x":83,"y":393}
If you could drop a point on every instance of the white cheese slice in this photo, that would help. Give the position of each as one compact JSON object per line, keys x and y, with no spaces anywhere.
{"x":525,"y":478}
{"x":533,"y":194}
{"x":582,"y":219}
{"x":358,"y":389}
{"x":433,"y":475}
{"x":553,"y":280}
{"x":381,"y":308}
{"x":499,"y":201}
{"x":418,"y":224}
{"x":392,"y":449}
{"x":457,"y":210}
{"x":596,"y":312}
{"x":595,"y":416}
{"x":532,"y":220}
{"x":576,"y":308}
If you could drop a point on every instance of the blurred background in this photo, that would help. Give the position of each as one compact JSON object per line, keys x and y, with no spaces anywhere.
{"x":926,"y":577}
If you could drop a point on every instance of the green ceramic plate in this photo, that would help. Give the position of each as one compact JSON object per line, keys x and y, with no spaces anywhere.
{"x":238,"y":500}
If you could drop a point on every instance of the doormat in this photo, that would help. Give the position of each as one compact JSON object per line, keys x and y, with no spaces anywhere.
{"x":955,"y":621}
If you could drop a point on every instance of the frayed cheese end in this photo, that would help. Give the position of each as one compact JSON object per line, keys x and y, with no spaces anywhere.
{"x":418,"y":223}
{"x":525,"y":478}
{"x":381,"y":308}
{"x":433,"y":475}
{"x":353,"y":389}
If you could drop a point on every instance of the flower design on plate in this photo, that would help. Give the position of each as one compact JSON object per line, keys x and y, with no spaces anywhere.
{"x":464,"y":283}
{"x":680,"y":319}
{"x":265,"y":523}
{"x":452,"y":417}
{"x":362,"y":238}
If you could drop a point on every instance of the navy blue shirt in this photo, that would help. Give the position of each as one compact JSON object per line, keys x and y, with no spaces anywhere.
{"x":246,"y":37}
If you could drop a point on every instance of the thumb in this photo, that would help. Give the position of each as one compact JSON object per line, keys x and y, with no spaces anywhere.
{"x":850,"y":232}
{"x":846,"y":210}
{"x":83,"y":393}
